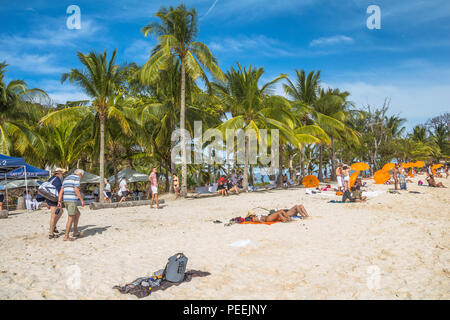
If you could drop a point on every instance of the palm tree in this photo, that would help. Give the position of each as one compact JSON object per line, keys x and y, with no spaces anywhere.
{"x":252,"y":107}
{"x":15,"y":106}
{"x":176,"y":32}
{"x":100,"y":80}
{"x":330,"y":112}
{"x":303,"y":93}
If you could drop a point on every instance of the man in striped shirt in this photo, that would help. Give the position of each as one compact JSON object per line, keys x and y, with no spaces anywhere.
{"x":69,"y":194}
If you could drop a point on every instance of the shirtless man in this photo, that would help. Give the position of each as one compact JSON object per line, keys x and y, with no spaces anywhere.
{"x":339,"y":177}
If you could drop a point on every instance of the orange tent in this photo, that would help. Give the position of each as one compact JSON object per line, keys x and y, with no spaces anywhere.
{"x":353,"y":178}
{"x":360,"y":166}
{"x":310,"y":181}
{"x":388,"y":166}
{"x":419,"y":164}
{"x":381,"y":176}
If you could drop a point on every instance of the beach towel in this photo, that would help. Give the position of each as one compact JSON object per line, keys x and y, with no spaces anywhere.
{"x":253,"y":222}
{"x":336,"y":201}
{"x":140,"y":289}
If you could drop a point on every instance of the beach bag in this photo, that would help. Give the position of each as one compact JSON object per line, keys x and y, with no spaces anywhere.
{"x":48,"y":190}
{"x":175,"y":268}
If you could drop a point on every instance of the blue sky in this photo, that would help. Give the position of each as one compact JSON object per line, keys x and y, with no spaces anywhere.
{"x":407,"y":60}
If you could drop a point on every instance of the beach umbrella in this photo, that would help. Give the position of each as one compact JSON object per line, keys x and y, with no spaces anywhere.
{"x":381,"y":176}
{"x":388,"y":166}
{"x":353,"y":178}
{"x":419,"y":164}
{"x":360,"y":166}
{"x":436,"y":166}
{"x":310,"y":181}
{"x":410,"y":165}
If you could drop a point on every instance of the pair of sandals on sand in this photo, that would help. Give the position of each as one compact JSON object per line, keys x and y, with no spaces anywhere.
{"x":53,"y":236}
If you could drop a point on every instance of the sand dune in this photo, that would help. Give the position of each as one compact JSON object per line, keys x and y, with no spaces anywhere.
{"x":395,"y":246}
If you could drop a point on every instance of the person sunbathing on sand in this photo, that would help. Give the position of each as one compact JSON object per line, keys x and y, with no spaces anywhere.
{"x":295,"y":211}
{"x":433,"y":183}
{"x":278,"y":215}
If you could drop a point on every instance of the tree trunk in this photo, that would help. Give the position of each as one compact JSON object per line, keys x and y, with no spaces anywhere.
{"x":280,"y":166}
{"x":252,"y":182}
{"x":182,"y":127}
{"x":333,"y":161}
{"x":166,"y":169}
{"x":102,"y":157}
{"x":245,"y":174}
{"x":320,"y":176}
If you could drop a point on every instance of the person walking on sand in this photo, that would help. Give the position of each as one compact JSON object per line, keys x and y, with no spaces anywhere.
{"x":154,"y":186}
{"x":69,"y":194}
{"x":55,"y":211}
{"x":123,"y":189}
{"x":107,"y":191}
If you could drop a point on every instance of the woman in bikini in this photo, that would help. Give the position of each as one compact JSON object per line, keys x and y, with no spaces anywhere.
{"x":175,"y":184}
{"x":279,"y":215}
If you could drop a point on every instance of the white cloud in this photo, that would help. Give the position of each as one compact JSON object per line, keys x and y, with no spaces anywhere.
{"x":32,"y":63}
{"x":325,"y":41}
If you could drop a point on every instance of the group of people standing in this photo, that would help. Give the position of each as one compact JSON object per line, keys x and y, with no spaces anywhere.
{"x":68,"y":195}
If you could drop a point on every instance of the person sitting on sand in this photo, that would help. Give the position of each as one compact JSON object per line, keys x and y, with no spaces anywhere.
{"x":357,"y":192}
{"x":221,"y":187}
{"x":231,"y":187}
{"x":285,"y":181}
{"x":278,"y":215}
{"x":432,"y":183}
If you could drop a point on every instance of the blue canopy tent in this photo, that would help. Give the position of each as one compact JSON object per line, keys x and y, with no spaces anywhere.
{"x":16,"y":169}
{"x":8,"y":164}
{"x":27,"y":171}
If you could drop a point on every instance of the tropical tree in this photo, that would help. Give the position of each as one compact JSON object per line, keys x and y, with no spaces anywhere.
{"x":254,"y":108}
{"x":176,"y":32}
{"x":99,"y":79}
{"x":15,"y":106}
{"x":303,"y":93}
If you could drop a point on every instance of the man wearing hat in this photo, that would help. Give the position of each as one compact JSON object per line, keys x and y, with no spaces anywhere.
{"x":56,"y":212}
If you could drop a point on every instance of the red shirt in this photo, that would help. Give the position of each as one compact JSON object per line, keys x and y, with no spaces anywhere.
{"x":222,"y":180}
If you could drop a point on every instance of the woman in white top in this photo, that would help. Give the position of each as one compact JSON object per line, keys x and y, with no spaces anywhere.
{"x":107,"y":191}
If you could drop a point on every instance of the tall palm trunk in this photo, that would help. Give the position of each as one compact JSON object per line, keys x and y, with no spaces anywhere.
{"x":182,"y":128}
{"x":280,"y":166}
{"x":320,"y":176}
{"x":102,"y":156}
{"x":333,"y":160}
{"x":245,"y":175}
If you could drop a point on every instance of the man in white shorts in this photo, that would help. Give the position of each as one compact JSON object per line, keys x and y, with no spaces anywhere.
{"x":339,"y":177}
{"x":154,"y":186}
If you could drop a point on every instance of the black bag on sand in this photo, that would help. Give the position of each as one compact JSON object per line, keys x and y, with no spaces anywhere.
{"x":175,"y":268}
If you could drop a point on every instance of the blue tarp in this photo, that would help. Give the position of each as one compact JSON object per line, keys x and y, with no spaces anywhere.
{"x":31,"y":172}
{"x":10,"y":163}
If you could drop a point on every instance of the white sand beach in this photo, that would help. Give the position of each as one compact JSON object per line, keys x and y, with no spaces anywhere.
{"x":395,"y":246}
